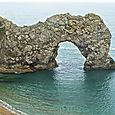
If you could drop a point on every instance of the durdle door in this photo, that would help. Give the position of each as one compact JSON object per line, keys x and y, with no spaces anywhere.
{"x":32,"y":48}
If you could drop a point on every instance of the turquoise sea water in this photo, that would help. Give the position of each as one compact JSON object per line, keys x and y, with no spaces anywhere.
{"x":67,"y":89}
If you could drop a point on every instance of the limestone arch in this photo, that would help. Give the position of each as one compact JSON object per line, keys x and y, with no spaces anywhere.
{"x":89,"y":34}
{"x":31,"y":48}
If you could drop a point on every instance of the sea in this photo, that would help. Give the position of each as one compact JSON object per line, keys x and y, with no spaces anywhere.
{"x":67,"y":89}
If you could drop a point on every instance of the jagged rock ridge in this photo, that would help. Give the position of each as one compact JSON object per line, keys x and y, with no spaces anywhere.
{"x":32,"y":48}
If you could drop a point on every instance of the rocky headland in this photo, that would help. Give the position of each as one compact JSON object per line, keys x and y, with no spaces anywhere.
{"x":32,"y":48}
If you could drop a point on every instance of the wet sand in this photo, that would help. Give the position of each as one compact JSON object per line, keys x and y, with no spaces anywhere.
{"x":5,"y":111}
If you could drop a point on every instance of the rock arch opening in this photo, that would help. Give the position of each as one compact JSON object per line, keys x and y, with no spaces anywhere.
{"x":69,"y":55}
{"x":32,"y":48}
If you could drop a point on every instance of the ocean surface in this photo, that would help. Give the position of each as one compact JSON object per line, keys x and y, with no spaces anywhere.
{"x":67,"y":89}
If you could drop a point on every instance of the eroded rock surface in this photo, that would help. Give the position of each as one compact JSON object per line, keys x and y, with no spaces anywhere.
{"x":31,"y":48}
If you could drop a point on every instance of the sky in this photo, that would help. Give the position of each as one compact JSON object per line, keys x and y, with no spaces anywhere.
{"x":99,"y":1}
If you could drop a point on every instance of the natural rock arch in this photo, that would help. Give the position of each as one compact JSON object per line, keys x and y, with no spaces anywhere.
{"x":69,"y":54}
{"x":31,"y":48}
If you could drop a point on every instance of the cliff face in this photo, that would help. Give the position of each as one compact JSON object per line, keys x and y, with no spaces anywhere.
{"x":31,"y":48}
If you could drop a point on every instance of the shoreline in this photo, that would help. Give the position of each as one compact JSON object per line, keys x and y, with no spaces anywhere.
{"x":6,"y":109}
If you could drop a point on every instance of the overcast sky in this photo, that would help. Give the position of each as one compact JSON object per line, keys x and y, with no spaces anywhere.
{"x":57,"y":1}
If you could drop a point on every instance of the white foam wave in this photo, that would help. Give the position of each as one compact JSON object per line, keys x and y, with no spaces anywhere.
{"x":10,"y":108}
{"x":112,"y":49}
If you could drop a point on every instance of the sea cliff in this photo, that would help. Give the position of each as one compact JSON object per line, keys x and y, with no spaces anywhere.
{"x":32,"y":48}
